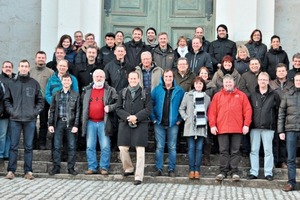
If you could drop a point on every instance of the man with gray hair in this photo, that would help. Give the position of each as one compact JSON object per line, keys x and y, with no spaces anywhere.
{"x":98,"y":104}
{"x":229,"y":123}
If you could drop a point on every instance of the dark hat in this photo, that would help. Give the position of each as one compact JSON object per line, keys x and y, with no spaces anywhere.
{"x":151,"y":28}
{"x":223,"y":26}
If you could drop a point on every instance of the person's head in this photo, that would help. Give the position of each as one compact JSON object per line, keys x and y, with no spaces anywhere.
{"x":222,"y":31}
{"x":196,"y":44}
{"x":182,"y":65}
{"x":199,"y":84}
{"x":137,"y":34}
{"x":7,"y":68}
{"x":281,"y":71}
{"x":78,"y":35}
{"x":99,"y":78}
{"x":297,"y":80}
{"x":199,"y":31}
{"x":119,"y":37}
{"x":91,"y":54}
{"x":24,"y":67}
{"x":40,"y":58}
{"x":163,"y":39}
{"x":110,"y":39}
{"x":66,"y":80}
{"x":168,"y":77}
{"x":204,"y":73}
{"x":182,"y":41}
{"x":242,"y":52}
{"x":151,"y":34}
{"x":256,"y":36}
{"x":146,"y":59}
{"x":296,"y":60}
{"x":275,"y":42}
{"x":263,"y":79}
{"x":133,"y":79}
{"x":120,"y":52}
{"x":59,"y":53}
{"x":254,"y":65}
{"x":227,"y":62}
{"x":65,"y":41}
{"x":228,"y":83}
{"x":89,"y":39}
{"x":62,"y":67}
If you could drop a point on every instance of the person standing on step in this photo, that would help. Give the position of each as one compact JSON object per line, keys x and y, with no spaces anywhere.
{"x":64,"y":119}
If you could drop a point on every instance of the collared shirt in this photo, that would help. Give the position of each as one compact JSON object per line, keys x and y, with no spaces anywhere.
{"x":147,"y":77}
{"x":62,"y":103}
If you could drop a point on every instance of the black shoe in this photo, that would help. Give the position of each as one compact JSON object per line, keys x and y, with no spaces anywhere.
{"x":137,"y":182}
{"x":72,"y":171}
{"x":128,"y":174}
{"x":5,"y":158}
{"x":251,"y":176}
{"x":157,"y":173}
{"x":171,"y":173}
{"x":269,"y":178}
{"x":55,"y":170}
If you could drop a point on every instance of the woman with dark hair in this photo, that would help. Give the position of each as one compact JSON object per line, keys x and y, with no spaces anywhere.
{"x":193,"y":110}
{"x":182,"y":47}
{"x":227,"y":67}
{"x":119,"y":38}
{"x":256,"y":48}
{"x":66,"y":43}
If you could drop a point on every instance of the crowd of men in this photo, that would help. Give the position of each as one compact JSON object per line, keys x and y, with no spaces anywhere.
{"x":112,"y":94}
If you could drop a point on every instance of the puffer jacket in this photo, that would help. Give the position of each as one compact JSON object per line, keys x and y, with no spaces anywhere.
{"x":198,"y":60}
{"x":165,"y":60}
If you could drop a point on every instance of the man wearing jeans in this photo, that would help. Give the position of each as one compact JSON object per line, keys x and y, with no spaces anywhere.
{"x":23,"y":102}
{"x":289,"y":128}
{"x":99,"y":102}
{"x":166,"y":99}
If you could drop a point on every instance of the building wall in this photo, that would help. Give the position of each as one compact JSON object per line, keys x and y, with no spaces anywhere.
{"x":19,"y":30}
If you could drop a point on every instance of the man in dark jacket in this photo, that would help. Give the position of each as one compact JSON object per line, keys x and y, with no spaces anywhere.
{"x":98,"y":104}
{"x":106,"y":53}
{"x":199,"y":32}
{"x":133,"y":108}
{"x":183,"y":75}
{"x":64,"y":119}
{"x":296,"y":67}
{"x":23,"y":102}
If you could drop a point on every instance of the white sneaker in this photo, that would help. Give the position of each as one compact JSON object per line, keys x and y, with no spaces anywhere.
{"x":220,"y":177}
{"x":29,"y":176}
{"x":235,"y":177}
{"x":10,"y":175}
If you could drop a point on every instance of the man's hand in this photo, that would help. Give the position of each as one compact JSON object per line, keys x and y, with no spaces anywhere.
{"x":74,"y":130}
{"x":214,"y":130}
{"x":178,"y":123}
{"x":51,"y":129}
{"x":132,"y":119}
{"x":282,"y":136}
{"x":245,"y":130}
{"x":106,"y":109}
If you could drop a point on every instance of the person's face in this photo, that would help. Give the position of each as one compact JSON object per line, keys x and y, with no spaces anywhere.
{"x":91,"y":54}
{"x":7,"y":68}
{"x":60,"y":54}
{"x":24,"y":68}
{"x":222,"y":32}
{"x":203,"y":74}
{"x":163,"y":40}
{"x":78,"y":37}
{"x":227,"y":65}
{"x":198,"y":86}
{"x":110,"y":41}
{"x":297,"y":81}
{"x":66,"y":82}
{"x":90,"y":40}
{"x":199,"y":32}
{"x":151,"y":35}
{"x":98,"y":77}
{"x":62,"y":67}
{"x":66,"y":43}
{"x":182,"y":43}
{"x":146,"y":60}
{"x":263,"y":81}
{"x":256,"y":36}
{"x":275,"y":43}
{"x":296,"y":62}
{"x":254,"y":66}
{"x":242,"y":54}
{"x":40,"y":59}
{"x":281,"y":72}
{"x":168,"y":78}
{"x":120,"y":53}
{"x":196,"y":44}
{"x":137,"y":35}
{"x":228,"y":84}
{"x":133,"y":79}
{"x":182,"y":66}
{"x":119,"y":38}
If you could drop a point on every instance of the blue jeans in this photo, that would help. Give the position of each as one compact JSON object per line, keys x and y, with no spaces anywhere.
{"x":96,"y":130}
{"x":266,"y":136}
{"x":195,"y":152}
{"x":160,"y":137}
{"x":61,"y":129}
{"x":15,"y":129}
{"x":291,"y":146}
{"x":4,"y":138}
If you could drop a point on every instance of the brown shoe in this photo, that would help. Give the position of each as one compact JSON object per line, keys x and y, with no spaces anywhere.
{"x":90,"y":172}
{"x":191,"y":175}
{"x":197,"y":175}
{"x":10,"y":175}
{"x":288,"y":187}
{"x":29,"y":176}
{"x":103,"y":172}
{"x":283,"y":165}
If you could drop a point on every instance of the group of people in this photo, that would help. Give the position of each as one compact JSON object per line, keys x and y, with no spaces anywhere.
{"x":212,"y":93}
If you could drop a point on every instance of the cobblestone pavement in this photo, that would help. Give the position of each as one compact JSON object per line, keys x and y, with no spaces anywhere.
{"x":41,"y":188}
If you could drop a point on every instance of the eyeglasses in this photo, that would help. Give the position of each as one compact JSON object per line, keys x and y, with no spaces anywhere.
{"x":263,"y":79}
{"x":7,"y":67}
{"x":78,"y":36}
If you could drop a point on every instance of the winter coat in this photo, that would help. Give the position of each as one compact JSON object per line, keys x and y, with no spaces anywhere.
{"x":106,"y":54}
{"x":205,"y":45}
{"x":166,"y":60}
{"x":272,"y":58}
{"x":52,"y":65}
{"x":218,"y":78}
{"x":257,"y":50}
{"x":81,"y":54}
{"x":242,"y":66}
{"x":281,"y":88}
{"x":109,"y":99}
{"x":41,"y":75}
{"x":292,"y":72}
{"x":156,"y":74}
{"x":134,"y":51}
{"x":158,"y":98}
{"x":5,"y":79}
{"x":289,"y":112}
{"x":186,"y":81}
{"x":198,"y":60}
{"x":230,"y":111}
{"x":248,"y":83}
{"x":211,"y":88}
{"x":186,"y":111}
{"x":139,"y":107}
